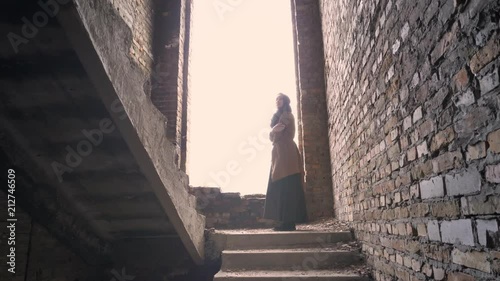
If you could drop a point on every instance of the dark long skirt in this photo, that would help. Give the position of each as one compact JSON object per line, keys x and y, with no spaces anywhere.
{"x":285,"y":200}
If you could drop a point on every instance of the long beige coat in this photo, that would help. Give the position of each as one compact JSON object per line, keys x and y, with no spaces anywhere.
{"x":285,"y":159}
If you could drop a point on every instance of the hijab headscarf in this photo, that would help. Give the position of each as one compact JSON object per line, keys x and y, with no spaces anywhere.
{"x":286,"y":107}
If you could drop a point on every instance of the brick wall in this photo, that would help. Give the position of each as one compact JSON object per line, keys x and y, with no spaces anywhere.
{"x":164,"y":92}
{"x":138,"y":15}
{"x":160,"y":43}
{"x":168,"y":90}
{"x":186,"y":52}
{"x":38,"y":255}
{"x":50,"y":260}
{"x":229,"y":210}
{"x":413,"y":103}
{"x":312,"y":113}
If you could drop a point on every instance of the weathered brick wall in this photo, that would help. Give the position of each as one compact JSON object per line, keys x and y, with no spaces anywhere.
{"x":185,"y":41}
{"x":49,"y":260}
{"x":413,"y":103}
{"x":168,"y":89}
{"x":160,"y":31}
{"x":229,"y":210}
{"x":312,"y":113}
{"x":38,"y":255}
{"x":188,"y":47}
{"x":138,"y":15}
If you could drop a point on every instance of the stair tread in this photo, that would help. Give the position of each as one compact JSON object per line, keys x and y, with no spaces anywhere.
{"x":273,"y":232}
{"x":291,"y":250}
{"x":287,"y":273}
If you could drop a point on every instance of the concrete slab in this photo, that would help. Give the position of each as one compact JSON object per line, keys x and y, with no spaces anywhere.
{"x":312,"y":275}
{"x":263,"y":240}
{"x":289,"y":255}
{"x":102,"y":41}
{"x":285,"y":259}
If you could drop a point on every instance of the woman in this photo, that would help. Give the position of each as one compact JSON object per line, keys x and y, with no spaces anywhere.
{"x":285,"y":197}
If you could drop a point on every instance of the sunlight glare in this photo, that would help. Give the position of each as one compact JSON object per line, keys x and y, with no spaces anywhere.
{"x":241,"y":58}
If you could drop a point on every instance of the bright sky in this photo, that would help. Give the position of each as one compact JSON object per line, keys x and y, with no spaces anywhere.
{"x":242,"y":57}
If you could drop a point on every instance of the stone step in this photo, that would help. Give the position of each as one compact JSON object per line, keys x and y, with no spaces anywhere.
{"x":288,"y":259}
{"x":310,"y":275}
{"x":286,"y":239}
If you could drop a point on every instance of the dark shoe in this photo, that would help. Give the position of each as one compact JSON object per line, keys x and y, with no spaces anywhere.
{"x":279,"y":227}
{"x":285,"y":227}
{"x":289,"y":226}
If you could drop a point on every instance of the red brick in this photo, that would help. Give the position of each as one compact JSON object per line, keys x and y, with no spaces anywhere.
{"x":445,"y":209}
{"x":426,"y":128}
{"x":459,"y":276}
{"x":447,"y":161}
{"x":442,"y":138}
{"x":494,"y":141}
{"x":461,"y":80}
{"x":476,"y":151}
{"x":485,"y":55}
{"x":493,"y":173}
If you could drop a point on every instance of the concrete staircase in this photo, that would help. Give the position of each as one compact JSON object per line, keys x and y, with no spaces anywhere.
{"x":295,"y":255}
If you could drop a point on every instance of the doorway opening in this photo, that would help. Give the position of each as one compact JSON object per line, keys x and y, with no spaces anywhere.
{"x":241,"y":57}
